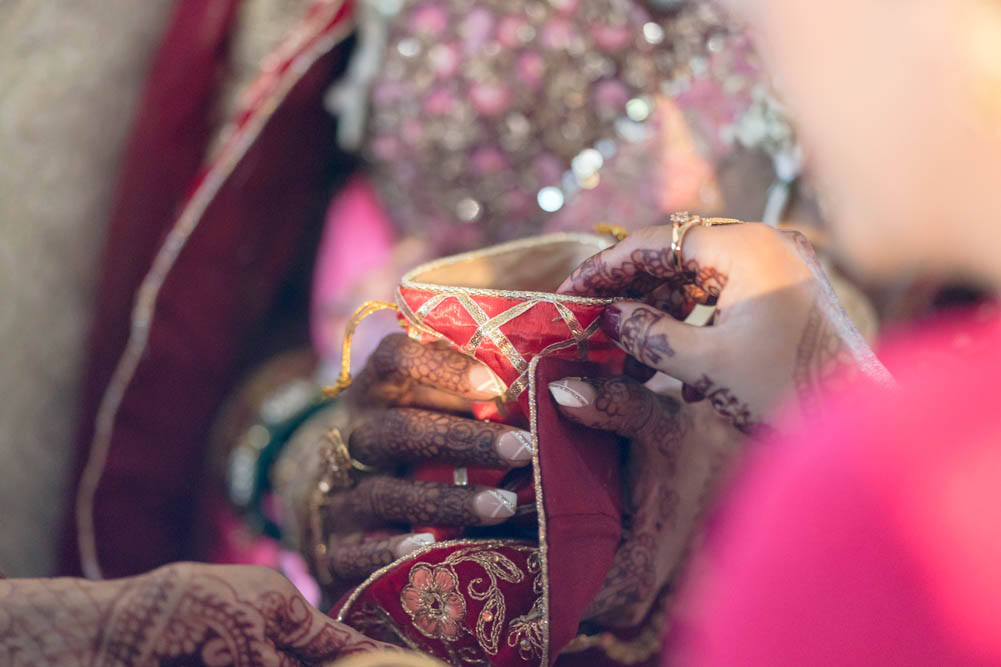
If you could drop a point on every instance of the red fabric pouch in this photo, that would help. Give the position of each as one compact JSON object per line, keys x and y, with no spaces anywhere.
{"x":504,"y":601}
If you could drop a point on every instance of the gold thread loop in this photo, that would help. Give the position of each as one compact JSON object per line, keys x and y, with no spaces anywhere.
{"x":344,"y":379}
{"x":362,"y":467}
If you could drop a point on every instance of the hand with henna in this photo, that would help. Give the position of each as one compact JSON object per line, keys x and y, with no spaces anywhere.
{"x":676,"y":454}
{"x":778,"y":332}
{"x":412,"y":405}
{"x":180,"y":614}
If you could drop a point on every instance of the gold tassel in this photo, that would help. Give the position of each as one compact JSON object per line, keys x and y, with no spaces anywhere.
{"x":366,"y":309}
{"x":616,"y":231}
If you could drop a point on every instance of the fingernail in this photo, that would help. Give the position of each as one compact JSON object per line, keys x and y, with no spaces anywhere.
{"x":484,"y":382}
{"x":515,"y":447}
{"x":495,"y":505}
{"x":611,"y":321}
{"x":413,"y":543}
{"x":572,"y":392}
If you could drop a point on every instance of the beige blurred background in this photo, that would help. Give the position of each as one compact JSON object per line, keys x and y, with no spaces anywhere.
{"x":70,"y":74}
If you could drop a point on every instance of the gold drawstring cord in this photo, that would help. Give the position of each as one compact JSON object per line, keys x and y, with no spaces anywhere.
{"x":344,"y":379}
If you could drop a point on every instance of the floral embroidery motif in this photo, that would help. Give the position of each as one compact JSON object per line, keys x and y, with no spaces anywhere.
{"x":431,"y":601}
{"x":437,"y":603}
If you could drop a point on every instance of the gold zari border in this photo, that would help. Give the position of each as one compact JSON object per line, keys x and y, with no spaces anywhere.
{"x":410,"y":279}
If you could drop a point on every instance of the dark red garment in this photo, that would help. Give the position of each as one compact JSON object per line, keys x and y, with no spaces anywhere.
{"x":582,"y":498}
{"x":873,"y":536}
{"x":214,"y":301}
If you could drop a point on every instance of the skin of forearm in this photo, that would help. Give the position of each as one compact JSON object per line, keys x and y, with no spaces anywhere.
{"x":53,"y":621}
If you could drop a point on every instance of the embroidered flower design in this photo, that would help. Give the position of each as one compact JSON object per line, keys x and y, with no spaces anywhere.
{"x":433,"y":603}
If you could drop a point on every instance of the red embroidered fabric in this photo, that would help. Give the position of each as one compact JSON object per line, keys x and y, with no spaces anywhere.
{"x":436,"y":605}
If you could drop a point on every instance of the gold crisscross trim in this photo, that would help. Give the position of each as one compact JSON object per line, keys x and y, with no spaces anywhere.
{"x":488,"y":328}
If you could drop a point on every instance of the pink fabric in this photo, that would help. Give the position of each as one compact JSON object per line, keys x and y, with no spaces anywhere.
{"x":873,"y":538}
{"x":357,"y":235}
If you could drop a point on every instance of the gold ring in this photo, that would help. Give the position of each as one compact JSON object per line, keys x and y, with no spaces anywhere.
{"x":682,"y":222}
{"x":678,"y":239}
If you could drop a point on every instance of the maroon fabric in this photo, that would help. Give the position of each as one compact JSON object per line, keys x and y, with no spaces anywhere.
{"x":215,"y":301}
{"x":164,"y":153}
{"x":582,"y":494}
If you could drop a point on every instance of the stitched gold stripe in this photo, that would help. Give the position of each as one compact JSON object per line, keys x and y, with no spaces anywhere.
{"x":576,"y":330}
{"x":506,"y":347}
{"x":412,"y":278}
{"x":533,"y":420}
{"x":429,"y":305}
{"x":518,"y":386}
{"x":491,"y":329}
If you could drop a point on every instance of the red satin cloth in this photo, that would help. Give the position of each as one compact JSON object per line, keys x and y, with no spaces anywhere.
{"x":531,"y":333}
{"x":873,"y":537}
{"x":217,"y":300}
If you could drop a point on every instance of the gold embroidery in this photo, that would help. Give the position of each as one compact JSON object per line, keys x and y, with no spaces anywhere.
{"x":435,"y":603}
{"x":490,"y":622}
{"x":419,"y":600}
{"x":543,"y":550}
{"x":527,"y":633}
{"x":411,"y":278}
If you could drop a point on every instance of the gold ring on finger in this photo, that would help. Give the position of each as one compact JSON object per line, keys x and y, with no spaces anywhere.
{"x":683,"y":222}
{"x":678,"y":239}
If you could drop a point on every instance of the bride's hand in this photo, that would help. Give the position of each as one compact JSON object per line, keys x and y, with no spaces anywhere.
{"x":778,"y":331}
{"x":408,"y":407}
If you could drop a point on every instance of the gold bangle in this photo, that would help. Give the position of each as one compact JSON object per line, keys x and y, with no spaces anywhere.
{"x":335,"y":476}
